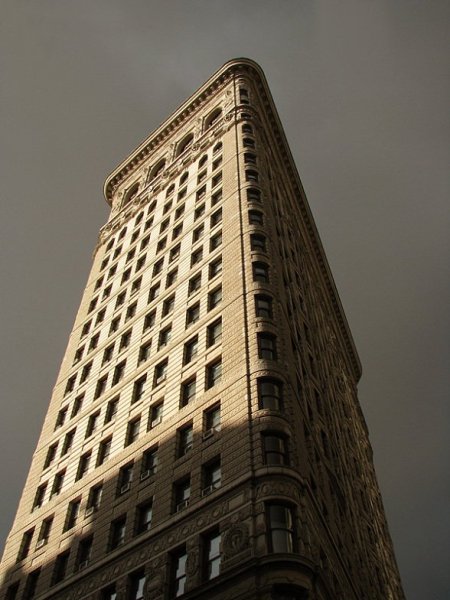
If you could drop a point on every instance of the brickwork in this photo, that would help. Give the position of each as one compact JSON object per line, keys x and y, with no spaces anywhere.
{"x":204,"y":437}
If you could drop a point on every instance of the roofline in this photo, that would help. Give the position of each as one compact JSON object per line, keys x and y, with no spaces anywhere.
{"x":153,"y":141}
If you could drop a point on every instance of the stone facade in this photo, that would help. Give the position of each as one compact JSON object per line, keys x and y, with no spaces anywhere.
{"x":204,"y":438}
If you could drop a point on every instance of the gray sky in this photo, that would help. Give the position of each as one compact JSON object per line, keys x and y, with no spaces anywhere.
{"x":362,"y":89}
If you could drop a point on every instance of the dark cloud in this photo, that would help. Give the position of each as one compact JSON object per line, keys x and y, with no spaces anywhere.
{"x":363,"y":91}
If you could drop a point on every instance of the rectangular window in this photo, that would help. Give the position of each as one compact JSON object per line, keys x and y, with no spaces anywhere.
{"x":31,"y":582}
{"x":70,"y":385}
{"x":78,"y":355}
{"x":39,"y":496}
{"x":61,"y":418}
{"x":214,"y":298}
{"x":270,"y":393}
{"x":216,"y":218}
{"x":149,"y":320}
{"x":158,"y":267}
{"x":144,"y":517}
{"x":216,"y":197}
{"x":215,"y":241}
{"x":199,"y":212}
{"x":185,"y":439}
{"x":188,"y":389}
{"x":120,"y":300}
{"x":154,"y":292}
{"x":109,"y":592}
{"x":125,"y":340}
{"x":263,"y":306}
{"x":139,"y":264}
{"x":160,"y":372}
{"x":51,"y":455}
{"x":156,"y":414}
{"x":115,"y":324}
{"x":58,"y":483}
{"x":280,"y":528}
{"x":211,"y":421}
{"x":213,"y":373}
{"x":216,"y":180}
{"x":194,"y":283}
{"x":275,"y":452}
{"x":136,"y":585}
{"x":25,"y":544}
{"x":125,"y":478}
{"x":139,"y":389}
{"x":161,"y":244}
{"x":211,"y":555}
{"x":196,"y":256}
{"x":190,"y":350}
{"x":212,"y":476}
{"x":144,"y":352}
{"x":100,"y":388}
{"x":44,"y":532}
{"x":92,"y":423}
{"x":68,"y":441}
{"x":198,"y":233}
{"x":131,"y":311}
{"x":111,"y":410}
{"x":132,"y":431}
{"x":168,"y":305}
{"x":177,"y":231}
{"x":83,"y":465}
{"x":215,"y":267}
{"x":73,"y":510}
{"x":119,"y":372}
{"x":104,"y":450}
{"x":171,"y":277}
{"x":164,"y":337}
{"x":117,"y":532}
{"x":149,"y":463}
{"x":60,"y":567}
{"x":214,"y":333}
{"x":193,"y":314}
{"x":182,"y":494}
{"x":85,"y":372}
{"x":84,"y":553}
{"x":267,"y":346}
{"x":178,"y":573}
{"x":77,"y":405}
{"x":94,"y":498}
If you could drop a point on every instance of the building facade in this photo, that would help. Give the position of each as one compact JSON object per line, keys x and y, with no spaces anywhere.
{"x":204,"y":439}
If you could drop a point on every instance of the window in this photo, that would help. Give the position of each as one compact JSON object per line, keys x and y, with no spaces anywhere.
{"x":62,"y":414}
{"x":216,"y":179}
{"x":199,"y":212}
{"x":139,"y":264}
{"x":270,"y":393}
{"x":149,"y":463}
{"x":211,"y":420}
{"x":77,"y":404}
{"x":255,"y":217}
{"x":258,"y":242}
{"x":145,"y":242}
{"x":57,"y":483}
{"x":267,"y":346}
{"x":248,"y":142}
{"x":246,"y":128}
{"x":109,"y":592}
{"x":85,"y":372}
{"x":196,"y":256}
{"x":194,"y":283}
{"x":214,"y":298}
{"x":92,"y":305}
{"x":214,"y":333}
{"x":168,"y":305}
{"x":185,"y":144}
{"x":156,"y":414}
{"x":200,"y":194}
{"x":83,"y":465}
{"x":138,"y":389}
{"x":260,"y":272}
{"x":190,"y":350}
{"x":243,"y":95}
{"x":149,"y":320}
{"x":174,"y":253}
{"x":125,"y":478}
{"x":51,"y":455}
{"x":73,"y":510}
{"x":132,"y":431}
{"x":148,"y":223}
{"x":164,"y":337}
{"x":100,"y":388}
{"x":39,"y":496}
{"x":288,"y":592}
{"x":136,"y":585}
{"x":117,"y":532}
{"x":253,"y":195}
{"x":216,"y":197}
{"x":160,"y":372}
{"x":193,"y":314}
{"x":185,"y":440}
{"x":94,"y":498}
{"x":70,"y":385}
{"x":12,"y":591}
{"x":119,"y":372}
{"x":144,"y":352}
{"x":171,"y":277}
{"x":161,"y":244}
{"x":29,"y":591}
{"x":104,"y":450}
{"x":120,"y":300}
{"x":100,"y":316}
{"x":86,"y":328}
{"x":178,"y":573}
{"x":198,"y":233}
{"x":201,"y":176}
{"x":84,"y":553}
{"x":216,"y":163}
{"x":213,"y":118}
{"x":167,"y":207}
{"x":144,"y":517}
{"x":177,"y":231}
{"x":263,"y":306}
{"x":182,"y":494}
{"x":216,"y":218}
{"x":92,"y":423}
{"x":114,"y":325}
{"x":106,"y":292}
{"x":249,"y":158}
{"x":164,"y":225}
{"x":188,"y":391}
{"x":275,"y":452}
{"x":68,"y":441}
{"x":251,"y":175}
{"x":211,"y":476}
{"x":78,"y":355}
{"x":111,"y":410}
{"x":182,"y":194}
{"x":215,"y":267}
{"x":213,"y":373}
{"x":215,"y":241}
{"x":211,"y":555}
{"x":131,"y":311}
{"x":60,"y":567}
{"x":44,"y":532}
{"x":125,"y":340}
{"x":25,"y":544}
{"x":280,"y":528}
{"x":130,"y":256}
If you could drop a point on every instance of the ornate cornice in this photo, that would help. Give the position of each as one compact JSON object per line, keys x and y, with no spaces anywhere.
{"x":178,"y":118}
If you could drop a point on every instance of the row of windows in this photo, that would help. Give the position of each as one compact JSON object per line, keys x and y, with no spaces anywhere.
{"x":281,"y":538}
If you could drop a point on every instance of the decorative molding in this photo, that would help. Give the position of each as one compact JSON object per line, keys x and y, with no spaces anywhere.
{"x":235,"y":540}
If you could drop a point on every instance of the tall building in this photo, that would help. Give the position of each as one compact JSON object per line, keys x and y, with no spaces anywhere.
{"x":204,"y":439}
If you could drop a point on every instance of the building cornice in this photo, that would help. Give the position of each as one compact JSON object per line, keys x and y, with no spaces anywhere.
{"x":244,"y":66}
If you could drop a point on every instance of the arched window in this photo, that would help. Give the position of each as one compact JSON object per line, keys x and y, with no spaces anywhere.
{"x":217,"y":147}
{"x":212,"y":118}
{"x":131,"y":193}
{"x":157,"y":169}
{"x":170,"y":190}
{"x":202,"y":161}
{"x":184,"y":144}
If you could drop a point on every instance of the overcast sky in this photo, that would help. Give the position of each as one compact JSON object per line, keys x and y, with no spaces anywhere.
{"x":362,"y":88}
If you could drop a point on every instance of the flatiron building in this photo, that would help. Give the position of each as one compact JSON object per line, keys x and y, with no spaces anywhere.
{"x":204,"y":438}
